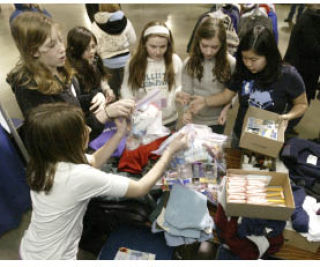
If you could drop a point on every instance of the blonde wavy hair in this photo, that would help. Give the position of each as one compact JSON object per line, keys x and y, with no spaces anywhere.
{"x":138,"y":63}
{"x":29,"y":31}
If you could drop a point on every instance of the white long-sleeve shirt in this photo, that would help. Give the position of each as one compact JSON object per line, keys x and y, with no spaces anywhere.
{"x":154,"y":79}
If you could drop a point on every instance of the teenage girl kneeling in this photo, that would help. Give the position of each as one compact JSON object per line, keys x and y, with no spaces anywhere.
{"x":62,"y":181}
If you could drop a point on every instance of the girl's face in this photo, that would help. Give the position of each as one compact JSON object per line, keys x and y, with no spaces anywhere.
{"x":90,"y":52}
{"x":254,"y":62}
{"x":210,"y":47}
{"x":52,"y":52}
{"x":156,"y":47}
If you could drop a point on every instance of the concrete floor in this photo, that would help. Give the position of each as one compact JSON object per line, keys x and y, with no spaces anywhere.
{"x":179,"y":17}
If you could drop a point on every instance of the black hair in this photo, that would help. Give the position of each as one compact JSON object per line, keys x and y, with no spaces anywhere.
{"x":89,"y":76}
{"x":261,"y":40}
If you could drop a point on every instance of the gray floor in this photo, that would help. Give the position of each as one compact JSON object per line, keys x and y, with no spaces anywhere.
{"x":179,"y":17}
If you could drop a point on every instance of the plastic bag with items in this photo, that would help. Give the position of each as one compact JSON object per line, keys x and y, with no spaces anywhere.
{"x":201,"y":142}
{"x":146,"y":122}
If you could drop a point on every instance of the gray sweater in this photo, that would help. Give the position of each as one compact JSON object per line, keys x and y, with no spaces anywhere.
{"x":209,"y":85}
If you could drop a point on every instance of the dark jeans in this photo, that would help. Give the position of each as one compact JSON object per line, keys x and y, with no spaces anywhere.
{"x":226,"y":254}
{"x":293,"y":11}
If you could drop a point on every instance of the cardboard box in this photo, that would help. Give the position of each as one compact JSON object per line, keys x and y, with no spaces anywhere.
{"x":264,"y":211}
{"x":292,"y":238}
{"x":258,"y":143}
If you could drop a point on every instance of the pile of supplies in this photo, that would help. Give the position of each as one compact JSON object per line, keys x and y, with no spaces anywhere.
{"x":254,"y":189}
{"x":265,"y":128}
{"x":200,"y":165}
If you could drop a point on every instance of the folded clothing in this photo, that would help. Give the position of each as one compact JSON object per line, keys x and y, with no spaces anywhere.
{"x":227,"y":231}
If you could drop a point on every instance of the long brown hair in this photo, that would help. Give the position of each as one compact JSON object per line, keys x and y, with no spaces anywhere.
{"x":138,"y":63}
{"x":29,"y":31}
{"x":90,"y":76}
{"x":207,"y":30}
{"x":53,"y":132}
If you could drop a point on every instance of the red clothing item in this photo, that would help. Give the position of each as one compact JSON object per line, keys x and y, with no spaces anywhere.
{"x":133,"y":161}
{"x":242,"y":247}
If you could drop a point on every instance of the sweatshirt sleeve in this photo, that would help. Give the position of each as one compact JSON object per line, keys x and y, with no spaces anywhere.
{"x":187,"y":80}
{"x":28,"y":99}
{"x":131,"y":34}
{"x":125,"y":90}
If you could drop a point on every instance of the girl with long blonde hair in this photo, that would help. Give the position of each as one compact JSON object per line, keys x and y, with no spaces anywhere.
{"x":154,"y":65}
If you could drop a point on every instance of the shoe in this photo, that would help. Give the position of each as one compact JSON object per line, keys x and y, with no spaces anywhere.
{"x":288,"y":20}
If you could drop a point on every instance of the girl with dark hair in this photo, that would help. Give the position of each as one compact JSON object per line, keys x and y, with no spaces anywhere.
{"x":261,"y":80}
{"x":155,"y":65}
{"x":90,"y":75}
{"x":206,"y":72}
{"x":62,"y":182}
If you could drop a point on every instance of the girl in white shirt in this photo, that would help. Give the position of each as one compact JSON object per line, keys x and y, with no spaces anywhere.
{"x":155,"y":66}
{"x":62,"y":181}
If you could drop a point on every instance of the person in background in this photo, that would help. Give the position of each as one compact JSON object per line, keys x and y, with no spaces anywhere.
{"x":303,"y":52}
{"x":206,"y":72}
{"x":92,"y":9}
{"x":63,"y":179}
{"x":154,"y":65}
{"x":115,"y":35}
{"x":292,"y":12}
{"x":261,"y":80}
{"x":41,"y":75}
{"x":20,"y":8}
{"x":93,"y":89}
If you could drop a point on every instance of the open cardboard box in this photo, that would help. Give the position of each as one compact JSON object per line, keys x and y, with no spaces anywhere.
{"x":258,"y":143}
{"x":263,"y":211}
{"x":292,"y":238}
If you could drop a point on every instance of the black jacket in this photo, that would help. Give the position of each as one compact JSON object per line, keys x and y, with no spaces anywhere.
{"x":28,"y":99}
{"x":304,"y":49}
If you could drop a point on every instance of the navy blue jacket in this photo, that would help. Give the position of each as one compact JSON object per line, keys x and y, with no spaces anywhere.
{"x":302,"y":158}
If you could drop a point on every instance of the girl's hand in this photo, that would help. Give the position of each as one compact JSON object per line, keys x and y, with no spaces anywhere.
{"x":97,"y":102}
{"x":223,"y":115}
{"x":121,"y":108}
{"x":110,"y":96}
{"x":283,"y":120}
{"x":183,"y":98}
{"x":179,"y":143}
{"x":187,"y":117}
{"x":122,"y":125}
{"x":197,"y":103}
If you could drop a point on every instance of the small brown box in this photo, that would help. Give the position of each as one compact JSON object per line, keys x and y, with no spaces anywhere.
{"x":263,"y":211}
{"x":292,"y":238}
{"x":258,"y":143}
